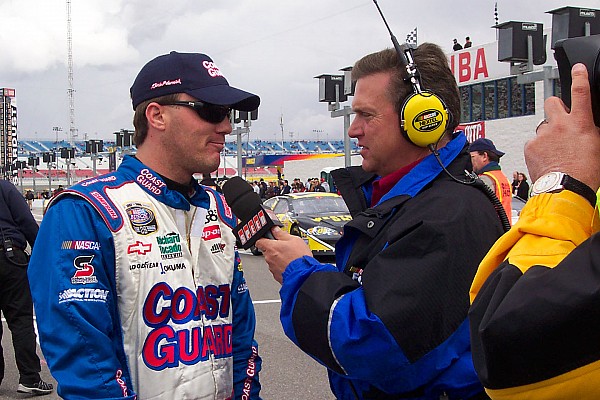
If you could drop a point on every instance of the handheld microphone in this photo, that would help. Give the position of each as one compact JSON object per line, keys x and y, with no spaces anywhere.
{"x":256,"y":221}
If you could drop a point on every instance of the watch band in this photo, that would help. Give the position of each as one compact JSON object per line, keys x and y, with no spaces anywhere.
{"x":573,"y":185}
{"x":554,"y":182}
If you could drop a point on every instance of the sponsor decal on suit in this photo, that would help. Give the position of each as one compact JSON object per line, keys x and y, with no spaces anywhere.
{"x":142,"y":218}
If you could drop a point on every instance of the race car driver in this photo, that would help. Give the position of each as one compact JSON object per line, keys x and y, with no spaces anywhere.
{"x":137,"y":283}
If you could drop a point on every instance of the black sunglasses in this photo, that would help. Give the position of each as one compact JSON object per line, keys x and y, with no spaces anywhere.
{"x":209,"y":112}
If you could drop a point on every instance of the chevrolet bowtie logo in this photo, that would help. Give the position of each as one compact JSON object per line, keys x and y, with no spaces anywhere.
{"x":139,"y":247}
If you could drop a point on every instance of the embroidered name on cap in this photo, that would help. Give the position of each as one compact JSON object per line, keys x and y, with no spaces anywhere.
{"x":165,"y":83}
{"x":212,"y":69}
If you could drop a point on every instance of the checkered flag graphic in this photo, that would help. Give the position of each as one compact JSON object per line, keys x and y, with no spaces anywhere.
{"x":411,"y":38}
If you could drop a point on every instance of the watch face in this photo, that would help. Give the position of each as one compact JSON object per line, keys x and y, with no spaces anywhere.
{"x":548,"y":182}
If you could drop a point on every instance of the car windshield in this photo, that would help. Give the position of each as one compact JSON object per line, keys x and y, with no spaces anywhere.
{"x":319,"y":205}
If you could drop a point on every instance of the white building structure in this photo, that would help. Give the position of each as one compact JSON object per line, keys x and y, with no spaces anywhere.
{"x":494,"y":105}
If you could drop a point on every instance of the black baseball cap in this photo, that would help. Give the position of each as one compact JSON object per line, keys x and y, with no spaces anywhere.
{"x":193,"y":73}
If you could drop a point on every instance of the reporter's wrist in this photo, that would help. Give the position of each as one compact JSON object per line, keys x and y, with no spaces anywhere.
{"x":553,"y":182}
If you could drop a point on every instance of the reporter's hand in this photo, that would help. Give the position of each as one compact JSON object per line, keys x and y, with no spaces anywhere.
{"x":281,"y":252}
{"x":568,"y":142}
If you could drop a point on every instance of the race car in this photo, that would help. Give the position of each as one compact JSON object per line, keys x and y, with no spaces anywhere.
{"x":317,"y":217}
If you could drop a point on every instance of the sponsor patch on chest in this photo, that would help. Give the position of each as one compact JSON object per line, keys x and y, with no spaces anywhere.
{"x":170,"y":246}
{"x":142,"y":218}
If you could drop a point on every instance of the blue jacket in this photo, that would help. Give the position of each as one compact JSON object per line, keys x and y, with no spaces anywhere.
{"x":390,"y":319}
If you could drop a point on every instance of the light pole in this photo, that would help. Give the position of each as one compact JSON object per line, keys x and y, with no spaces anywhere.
{"x":281,"y":125}
{"x":246,"y":118}
{"x":33,"y":162}
{"x":49,"y":157}
{"x":56,"y":129}
{"x":93,"y":147}
{"x":124,"y":141}
{"x":19,"y":166}
{"x":334,"y":89}
{"x":68,"y":154}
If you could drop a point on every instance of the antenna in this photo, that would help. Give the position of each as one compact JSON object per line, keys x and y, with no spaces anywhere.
{"x":405,"y":54}
{"x":281,"y":124}
{"x":394,"y":40}
{"x":70,"y":91}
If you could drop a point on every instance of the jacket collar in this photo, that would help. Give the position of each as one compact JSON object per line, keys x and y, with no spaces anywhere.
{"x":426,"y":171}
{"x":151,"y":182}
{"x":491,"y":166}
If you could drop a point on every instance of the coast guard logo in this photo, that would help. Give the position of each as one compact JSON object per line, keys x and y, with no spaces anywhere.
{"x":84,"y":270}
{"x":142,"y":218}
{"x":211,"y":68}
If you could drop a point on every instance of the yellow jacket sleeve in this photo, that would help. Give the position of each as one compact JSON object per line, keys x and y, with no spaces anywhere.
{"x":550,"y":226}
{"x":535,"y":304}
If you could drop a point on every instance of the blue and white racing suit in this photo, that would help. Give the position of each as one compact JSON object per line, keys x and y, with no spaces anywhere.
{"x":140,"y":291}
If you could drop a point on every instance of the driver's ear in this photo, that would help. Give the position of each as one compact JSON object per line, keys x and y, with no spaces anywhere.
{"x":156,"y":116}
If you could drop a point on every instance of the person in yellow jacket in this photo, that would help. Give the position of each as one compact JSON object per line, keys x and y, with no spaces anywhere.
{"x":535,"y":313}
{"x":485,"y":158}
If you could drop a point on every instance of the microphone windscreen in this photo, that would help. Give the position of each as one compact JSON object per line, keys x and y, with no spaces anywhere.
{"x":255,"y":220}
{"x":241,"y":198}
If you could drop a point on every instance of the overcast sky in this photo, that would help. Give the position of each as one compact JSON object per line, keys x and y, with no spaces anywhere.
{"x":273,"y":48}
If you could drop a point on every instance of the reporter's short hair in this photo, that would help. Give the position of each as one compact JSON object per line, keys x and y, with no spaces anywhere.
{"x":433,"y":67}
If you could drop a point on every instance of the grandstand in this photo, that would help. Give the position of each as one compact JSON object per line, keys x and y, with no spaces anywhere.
{"x":251,"y":148}
{"x":49,"y":176}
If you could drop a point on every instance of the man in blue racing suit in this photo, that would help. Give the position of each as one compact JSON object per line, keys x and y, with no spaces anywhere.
{"x":389,"y":321}
{"x":136,"y":279}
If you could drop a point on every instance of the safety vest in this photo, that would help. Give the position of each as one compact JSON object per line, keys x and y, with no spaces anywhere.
{"x":503,"y":191}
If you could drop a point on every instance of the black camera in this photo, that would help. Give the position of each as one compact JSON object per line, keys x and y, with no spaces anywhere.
{"x":586,"y":50}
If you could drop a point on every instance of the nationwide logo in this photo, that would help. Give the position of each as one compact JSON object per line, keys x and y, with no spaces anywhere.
{"x":169,"y":245}
{"x":80,"y":245}
{"x":142,"y":218}
{"x":217,"y":248}
{"x":84,"y":270}
{"x":139,"y":248}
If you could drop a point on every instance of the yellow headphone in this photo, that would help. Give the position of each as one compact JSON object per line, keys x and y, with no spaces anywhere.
{"x":424,"y":116}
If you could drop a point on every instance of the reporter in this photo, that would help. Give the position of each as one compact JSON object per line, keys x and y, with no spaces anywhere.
{"x":389,"y":320}
{"x":534,"y":317}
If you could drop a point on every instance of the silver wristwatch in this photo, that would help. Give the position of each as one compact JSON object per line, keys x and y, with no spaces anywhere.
{"x":553,"y":182}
